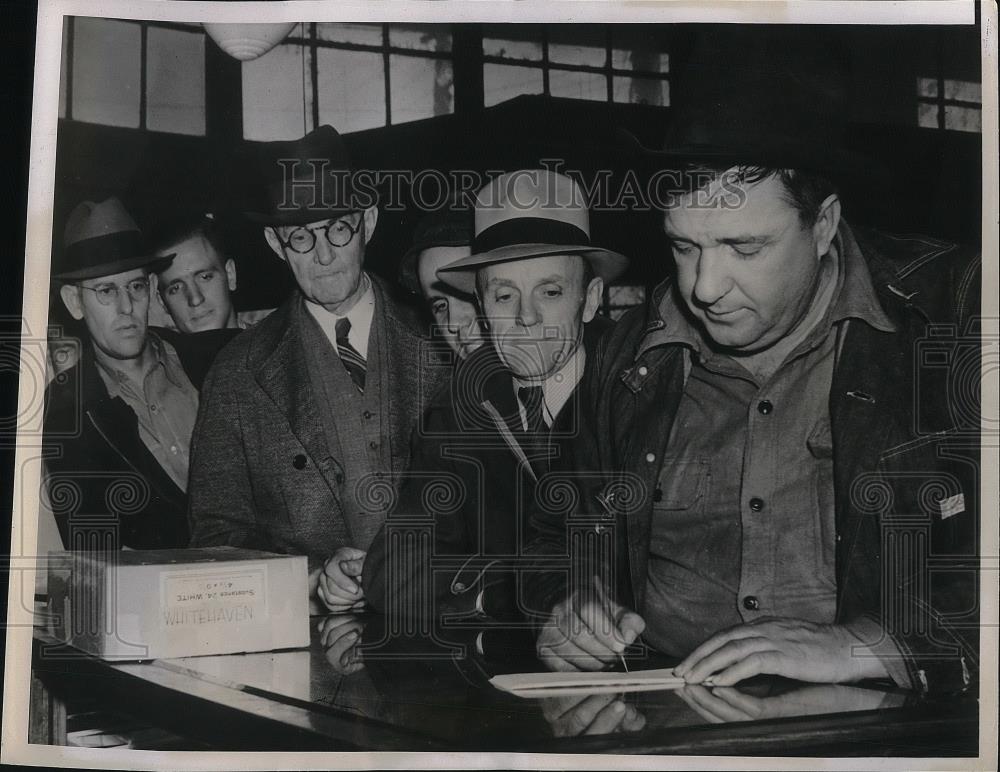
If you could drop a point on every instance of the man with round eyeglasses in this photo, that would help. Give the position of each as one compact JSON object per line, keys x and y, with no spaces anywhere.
{"x":305,"y":431}
{"x":120,"y":420}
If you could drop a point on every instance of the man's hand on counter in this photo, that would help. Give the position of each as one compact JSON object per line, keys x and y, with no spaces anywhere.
{"x":793,"y":648}
{"x":338,"y":584}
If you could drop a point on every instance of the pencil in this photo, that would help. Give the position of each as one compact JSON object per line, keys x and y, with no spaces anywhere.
{"x":607,"y":610}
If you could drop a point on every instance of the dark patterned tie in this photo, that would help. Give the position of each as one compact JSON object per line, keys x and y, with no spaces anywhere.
{"x":354,"y":363}
{"x":532,"y":399}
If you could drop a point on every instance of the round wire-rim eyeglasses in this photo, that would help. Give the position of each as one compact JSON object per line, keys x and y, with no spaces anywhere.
{"x":107,"y":294}
{"x":339,"y":233}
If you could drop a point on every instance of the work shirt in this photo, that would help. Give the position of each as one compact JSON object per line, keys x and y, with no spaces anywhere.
{"x":745,"y":522}
{"x":166,"y":405}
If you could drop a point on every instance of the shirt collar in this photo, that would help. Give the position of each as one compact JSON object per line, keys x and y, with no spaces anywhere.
{"x":360,"y":317}
{"x":558,"y":387}
{"x":854,"y":297}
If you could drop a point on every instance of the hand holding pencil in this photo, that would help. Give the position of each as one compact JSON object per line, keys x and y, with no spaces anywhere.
{"x":588,"y":631}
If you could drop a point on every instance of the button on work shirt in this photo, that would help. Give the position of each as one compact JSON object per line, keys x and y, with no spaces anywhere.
{"x":166,"y":405}
{"x":745,"y":522}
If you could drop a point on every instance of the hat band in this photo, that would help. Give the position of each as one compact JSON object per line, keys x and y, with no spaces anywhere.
{"x":529,"y":230}
{"x":100,"y":250}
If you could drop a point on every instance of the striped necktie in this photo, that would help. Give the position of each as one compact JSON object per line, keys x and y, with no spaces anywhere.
{"x":532,"y":398}
{"x":354,"y":363}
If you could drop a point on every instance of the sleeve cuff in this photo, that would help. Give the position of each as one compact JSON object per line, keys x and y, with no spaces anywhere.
{"x":869,"y":632}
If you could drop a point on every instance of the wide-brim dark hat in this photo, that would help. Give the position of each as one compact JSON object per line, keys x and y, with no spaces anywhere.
{"x":448,"y":227}
{"x":306,"y":180}
{"x":526,"y":214}
{"x":101,"y":239}
{"x":775,"y":97}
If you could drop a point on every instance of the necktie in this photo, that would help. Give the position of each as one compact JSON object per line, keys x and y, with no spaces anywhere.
{"x":532,"y":398}
{"x":354,"y":363}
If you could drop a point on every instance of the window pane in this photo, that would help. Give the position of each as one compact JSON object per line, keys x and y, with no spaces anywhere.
{"x":64,"y":67}
{"x":927,"y":115}
{"x":963,"y":90}
{"x":927,"y":87}
{"x":420,"y":88}
{"x":273,"y":102}
{"x":175,"y":81}
{"x":513,"y":41}
{"x":106,"y":72}
{"x":637,"y":49}
{"x":420,"y":37}
{"x":502,"y":82}
{"x":362,"y":34}
{"x":963,"y":118}
{"x":351,"y":89}
{"x":642,"y":91}
{"x":578,"y":85}
{"x":578,"y":44}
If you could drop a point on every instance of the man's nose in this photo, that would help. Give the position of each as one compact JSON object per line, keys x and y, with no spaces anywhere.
{"x":712,"y":281}
{"x":125,"y":302}
{"x":323,"y":252}
{"x":527,"y":312}
{"x":195,"y":297}
{"x":458,"y":321}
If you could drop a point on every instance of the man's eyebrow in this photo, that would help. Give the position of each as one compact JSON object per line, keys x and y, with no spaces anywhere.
{"x":743,"y":240}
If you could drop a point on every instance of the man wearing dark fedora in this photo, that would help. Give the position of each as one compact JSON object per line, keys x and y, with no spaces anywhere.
{"x":119,"y":421}
{"x":442,"y":237}
{"x":492,"y":435}
{"x":795,"y":463}
{"x":307,"y":417}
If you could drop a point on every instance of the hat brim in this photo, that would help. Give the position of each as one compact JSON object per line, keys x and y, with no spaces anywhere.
{"x":298,"y":216}
{"x":155,"y":263}
{"x":461,"y":274}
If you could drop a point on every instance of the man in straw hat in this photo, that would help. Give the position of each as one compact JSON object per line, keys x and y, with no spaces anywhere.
{"x":121,"y":419}
{"x":794,"y":460}
{"x":494,"y":433}
{"x":308,"y":415}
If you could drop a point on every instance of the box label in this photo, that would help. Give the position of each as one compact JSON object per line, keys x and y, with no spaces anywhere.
{"x":200,"y":596}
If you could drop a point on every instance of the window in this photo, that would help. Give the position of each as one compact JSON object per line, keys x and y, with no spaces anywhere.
{"x":613,"y":63}
{"x":351,"y":76}
{"x":142,"y":75}
{"x":949,"y":104}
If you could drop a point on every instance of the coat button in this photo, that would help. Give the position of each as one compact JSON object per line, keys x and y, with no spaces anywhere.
{"x":756,"y":504}
{"x":658,"y":495}
{"x":643,"y":371}
{"x":751,"y":603}
{"x":459,"y":587}
{"x":299,"y":462}
{"x":373,"y":445}
{"x":650,"y":457}
{"x":367,"y":415}
{"x":764,"y":407}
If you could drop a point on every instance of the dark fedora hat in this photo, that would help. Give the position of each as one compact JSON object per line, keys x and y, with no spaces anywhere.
{"x":447,"y":227}
{"x":767,"y":96}
{"x":101,"y":239}
{"x":307,"y":179}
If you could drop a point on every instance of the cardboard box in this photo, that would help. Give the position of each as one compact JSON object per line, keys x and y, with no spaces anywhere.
{"x":155,"y":604}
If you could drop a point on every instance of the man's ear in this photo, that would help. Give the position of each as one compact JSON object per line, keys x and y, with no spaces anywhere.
{"x":231,"y":274}
{"x":592,"y":300}
{"x":370,"y":218}
{"x":70,"y":295}
{"x":827,"y":223}
{"x":271,"y":237}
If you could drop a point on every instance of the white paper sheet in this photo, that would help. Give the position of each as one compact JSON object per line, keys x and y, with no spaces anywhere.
{"x":558,"y":684}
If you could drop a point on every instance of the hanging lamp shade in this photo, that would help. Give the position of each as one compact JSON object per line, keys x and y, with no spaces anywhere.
{"x":248,"y":41}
